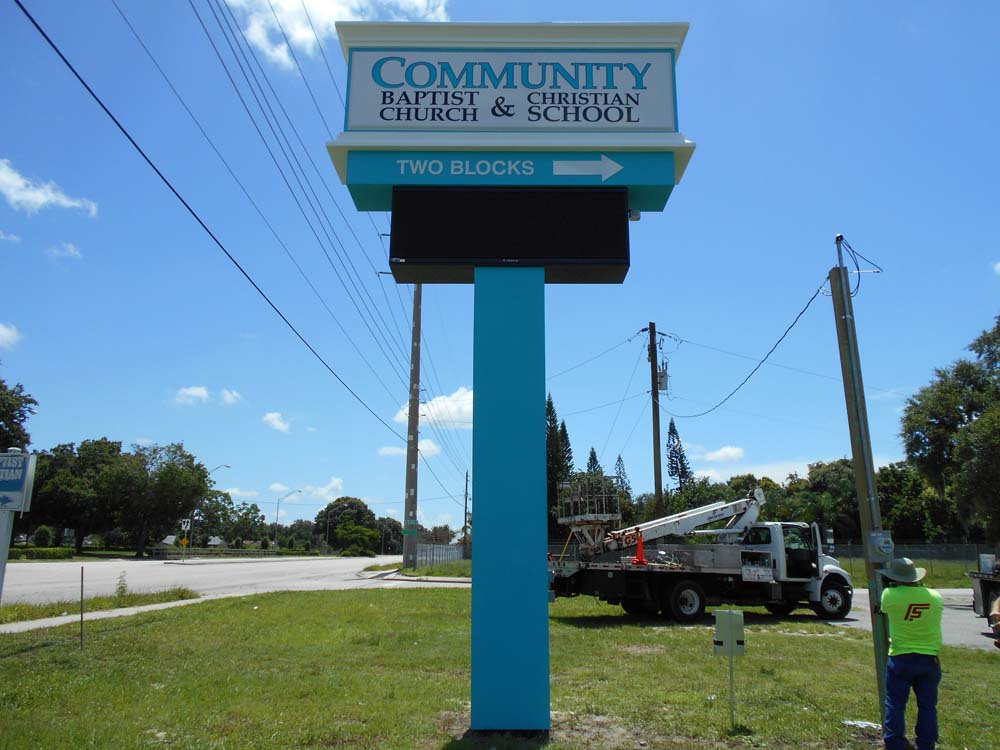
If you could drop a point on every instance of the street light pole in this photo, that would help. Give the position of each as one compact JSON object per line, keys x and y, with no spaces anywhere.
{"x":191,"y":525}
{"x":276,"y":511}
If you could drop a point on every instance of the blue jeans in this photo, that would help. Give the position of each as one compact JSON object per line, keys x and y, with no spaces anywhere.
{"x":922,"y":673}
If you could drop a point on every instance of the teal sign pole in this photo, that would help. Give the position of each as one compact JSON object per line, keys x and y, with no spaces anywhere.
{"x":510,"y":626}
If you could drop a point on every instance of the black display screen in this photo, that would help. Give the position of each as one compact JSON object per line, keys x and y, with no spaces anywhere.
{"x":579,"y":235}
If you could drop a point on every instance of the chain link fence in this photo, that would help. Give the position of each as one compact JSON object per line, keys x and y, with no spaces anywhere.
{"x":435,"y":554}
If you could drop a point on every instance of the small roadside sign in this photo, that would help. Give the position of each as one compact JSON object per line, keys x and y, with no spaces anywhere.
{"x":17,"y":475}
{"x":184,"y":541}
{"x":185,"y":524}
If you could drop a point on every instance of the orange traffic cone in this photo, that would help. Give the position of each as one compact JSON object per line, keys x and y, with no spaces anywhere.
{"x":640,"y":555}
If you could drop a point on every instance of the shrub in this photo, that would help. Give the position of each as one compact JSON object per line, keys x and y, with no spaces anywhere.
{"x":121,"y":588}
{"x":49,"y":553}
{"x":15,"y":554}
{"x":43,"y":536}
{"x":307,"y":546}
{"x":265,"y":543}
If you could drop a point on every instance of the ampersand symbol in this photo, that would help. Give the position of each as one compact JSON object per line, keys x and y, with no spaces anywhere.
{"x":501,"y":108}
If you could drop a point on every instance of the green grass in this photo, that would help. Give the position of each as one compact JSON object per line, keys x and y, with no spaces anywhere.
{"x":384,"y":566}
{"x":22,"y":612}
{"x":453,"y":569}
{"x":941,"y":574}
{"x":389,"y":669}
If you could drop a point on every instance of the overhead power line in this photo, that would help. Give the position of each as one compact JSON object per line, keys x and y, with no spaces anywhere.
{"x":760,"y":363}
{"x":251,"y":200}
{"x":605,"y":406}
{"x":194,"y":214}
{"x":591,"y":359}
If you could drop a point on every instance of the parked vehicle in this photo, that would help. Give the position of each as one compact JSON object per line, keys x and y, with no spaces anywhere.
{"x":657,"y":567}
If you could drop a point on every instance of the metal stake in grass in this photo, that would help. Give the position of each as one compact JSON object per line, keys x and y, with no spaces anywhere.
{"x":81,"y":607}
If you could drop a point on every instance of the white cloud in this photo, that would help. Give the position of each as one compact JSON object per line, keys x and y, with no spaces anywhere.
{"x":263,"y":32}
{"x":712,"y":474}
{"x":143,"y":441}
{"x":65,"y":250}
{"x":274,"y":420}
{"x":191,"y":395}
{"x":996,"y":267}
{"x":392,"y":512}
{"x":427,"y":447}
{"x":725,"y":454}
{"x":9,"y":336}
{"x":447,"y":412}
{"x":279,"y":487}
{"x":242,"y":494}
{"x":31,"y":196}
{"x":230,"y":397}
{"x":328,"y":492}
{"x":4,"y":237}
{"x":311,"y":429}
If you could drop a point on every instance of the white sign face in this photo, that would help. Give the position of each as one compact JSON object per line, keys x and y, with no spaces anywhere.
{"x":185,"y":524}
{"x":511,"y":90}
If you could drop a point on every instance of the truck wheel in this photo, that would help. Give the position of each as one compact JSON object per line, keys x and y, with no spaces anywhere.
{"x":780,"y":609}
{"x":834,"y":603}
{"x":687,"y":601}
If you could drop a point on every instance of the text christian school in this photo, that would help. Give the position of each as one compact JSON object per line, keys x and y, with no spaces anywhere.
{"x":561,"y":89}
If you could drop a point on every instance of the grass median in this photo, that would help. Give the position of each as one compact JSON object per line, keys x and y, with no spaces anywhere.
{"x":389,"y":669}
{"x":23,"y":612}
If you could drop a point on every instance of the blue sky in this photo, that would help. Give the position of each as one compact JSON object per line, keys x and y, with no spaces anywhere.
{"x":124,"y":320}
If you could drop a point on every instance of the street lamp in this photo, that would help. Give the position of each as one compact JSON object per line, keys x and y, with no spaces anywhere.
{"x":191,"y":525}
{"x":276,"y":515}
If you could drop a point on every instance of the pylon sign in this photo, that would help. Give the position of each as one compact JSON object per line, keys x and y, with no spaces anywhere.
{"x":511,"y":156}
{"x":524,"y":107}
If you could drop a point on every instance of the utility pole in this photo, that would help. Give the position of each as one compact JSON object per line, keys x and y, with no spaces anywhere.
{"x":877,"y":545}
{"x":410,"y":525}
{"x":465,"y":520}
{"x":654,"y":379}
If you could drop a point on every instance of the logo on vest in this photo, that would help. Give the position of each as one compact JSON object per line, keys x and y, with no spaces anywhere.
{"x":915,"y":611}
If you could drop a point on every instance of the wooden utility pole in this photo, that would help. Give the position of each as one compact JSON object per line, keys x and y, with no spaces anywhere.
{"x":654,"y":379}
{"x":876,"y":545}
{"x":410,"y":525}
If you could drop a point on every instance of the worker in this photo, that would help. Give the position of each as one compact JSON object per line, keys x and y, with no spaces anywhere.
{"x":914,"y":614}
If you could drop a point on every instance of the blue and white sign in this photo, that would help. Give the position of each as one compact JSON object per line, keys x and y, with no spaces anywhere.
{"x":544,"y":89}
{"x":371,"y":174}
{"x":17,"y":476}
{"x":485,"y":105}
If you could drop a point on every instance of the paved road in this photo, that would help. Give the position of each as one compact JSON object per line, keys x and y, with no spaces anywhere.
{"x":959,"y":624}
{"x":39,"y":582}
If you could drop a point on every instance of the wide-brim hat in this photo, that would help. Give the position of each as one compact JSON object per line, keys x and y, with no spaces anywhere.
{"x":903,"y":570}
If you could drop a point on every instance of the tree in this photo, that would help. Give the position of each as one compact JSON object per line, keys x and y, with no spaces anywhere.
{"x":677,"y":464}
{"x":593,"y":465}
{"x":949,"y":433}
{"x":151,"y":489}
{"x":392,"y":536}
{"x":247,"y":522}
{"x":67,"y":480}
{"x":15,"y":408}
{"x":356,"y":540}
{"x":442,"y":535}
{"x":625,"y":503}
{"x":558,"y":463}
{"x":343,"y":510}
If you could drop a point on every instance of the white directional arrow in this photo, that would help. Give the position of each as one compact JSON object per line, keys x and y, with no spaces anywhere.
{"x":604,"y":167}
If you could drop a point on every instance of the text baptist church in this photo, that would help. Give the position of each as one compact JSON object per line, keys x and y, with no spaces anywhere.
{"x":426,"y":91}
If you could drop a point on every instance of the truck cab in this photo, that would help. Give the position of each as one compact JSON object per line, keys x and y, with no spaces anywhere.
{"x":794,"y":551}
